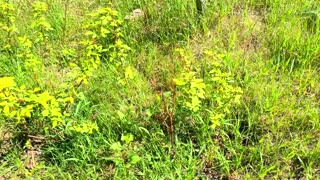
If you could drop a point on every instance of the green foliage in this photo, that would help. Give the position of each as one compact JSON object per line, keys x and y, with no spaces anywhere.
{"x":46,"y":108}
{"x":192,"y":88}
{"x":40,"y":23}
{"x":216,"y":86}
{"x":29,"y":107}
{"x":31,"y":60}
{"x":7,"y":26}
{"x":236,"y":89}
{"x":104,"y":39}
{"x":123,"y":154}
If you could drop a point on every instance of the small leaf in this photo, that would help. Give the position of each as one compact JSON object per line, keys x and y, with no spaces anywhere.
{"x":54,"y":124}
{"x":129,"y":73}
{"x":237,"y":99}
{"x":200,"y":95}
{"x":127,"y":138}
{"x":23,"y":87}
{"x":134,"y":159}
{"x":120,"y":114}
{"x":36,"y":90}
{"x":12,"y":114}
{"x":6,"y":110}
{"x":179,"y":82}
{"x":45,"y":113}
{"x":69,"y":100}
{"x":28,"y":144}
{"x":116,"y":146}
{"x":73,"y":65}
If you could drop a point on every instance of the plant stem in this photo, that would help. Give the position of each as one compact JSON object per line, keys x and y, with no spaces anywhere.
{"x":65,"y":19}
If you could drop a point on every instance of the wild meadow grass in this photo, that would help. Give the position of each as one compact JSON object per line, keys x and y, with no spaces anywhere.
{"x":229,"y":93}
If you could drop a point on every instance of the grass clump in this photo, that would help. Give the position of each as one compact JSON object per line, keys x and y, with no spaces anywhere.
{"x":228,"y":92}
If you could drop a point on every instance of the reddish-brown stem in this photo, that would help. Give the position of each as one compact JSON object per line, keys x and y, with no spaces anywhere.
{"x":170,"y":111}
{"x":171,"y":131}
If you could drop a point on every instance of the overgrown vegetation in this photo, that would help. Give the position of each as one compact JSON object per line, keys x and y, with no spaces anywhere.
{"x":228,"y":92}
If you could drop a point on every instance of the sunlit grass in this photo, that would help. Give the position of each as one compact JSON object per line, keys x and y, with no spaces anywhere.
{"x":271,"y":49}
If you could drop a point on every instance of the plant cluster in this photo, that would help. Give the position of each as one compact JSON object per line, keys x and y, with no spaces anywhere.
{"x":44,"y":106}
{"x":23,"y":105}
{"x":206,"y":81}
{"x":234,"y":84}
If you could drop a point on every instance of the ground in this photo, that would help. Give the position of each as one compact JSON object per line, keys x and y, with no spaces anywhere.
{"x":232,"y":93}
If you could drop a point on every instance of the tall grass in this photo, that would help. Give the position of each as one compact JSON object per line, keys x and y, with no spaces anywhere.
{"x":268,"y":48}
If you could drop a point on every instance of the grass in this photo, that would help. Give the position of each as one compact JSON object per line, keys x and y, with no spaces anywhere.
{"x":270,"y":49}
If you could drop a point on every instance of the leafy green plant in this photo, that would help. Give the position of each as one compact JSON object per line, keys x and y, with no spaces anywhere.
{"x":7,"y":24}
{"x":104,"y":37}
{"x":123,"y":154}
{"x":29,"y":106}
{"x":41,"y":24}
{"x":38,"y":109}
{"x":216,"y":86}
{"x":201,"y":88}
{"x":117,"y":105}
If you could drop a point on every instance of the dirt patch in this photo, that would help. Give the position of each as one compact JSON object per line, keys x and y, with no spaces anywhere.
{"x":253,"y":27}
{"x":249,"y":28}
{"x":5,"y":144}
{"x":240,"y":32}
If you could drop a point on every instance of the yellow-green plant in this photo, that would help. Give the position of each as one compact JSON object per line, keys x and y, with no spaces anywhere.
{"x":124,"y":154}
{"x":51,"y":105}
{"x":7,"y":26}
{"x":40,"y":23}
{"x":102,"y":42}
{"x":104,"y":37}
{"x":191,"y":87}
{"x":216,"y":87}
{"x":21,"y":105}
{"x":31,"y":107}
{"x":31,"y":60}
{"x":221,"y":90}
{"x":45,"y":105}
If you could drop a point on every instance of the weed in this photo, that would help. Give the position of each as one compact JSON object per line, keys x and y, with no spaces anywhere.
{"x":223,"y":90}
